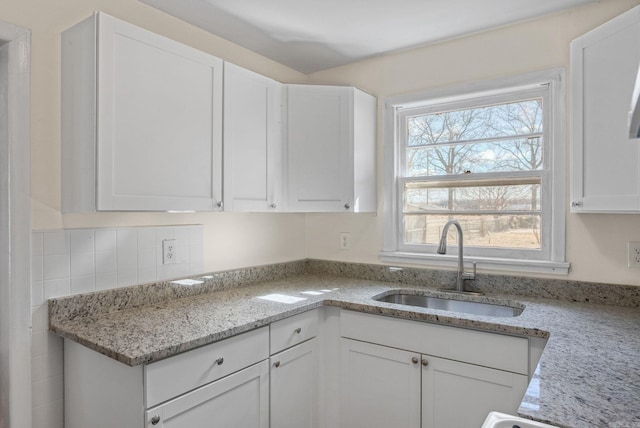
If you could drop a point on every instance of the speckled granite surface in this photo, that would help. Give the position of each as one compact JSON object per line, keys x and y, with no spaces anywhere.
{"x":589,"y":373}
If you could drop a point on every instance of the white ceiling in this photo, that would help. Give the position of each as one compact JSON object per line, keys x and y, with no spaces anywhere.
{"x":312,"y":35}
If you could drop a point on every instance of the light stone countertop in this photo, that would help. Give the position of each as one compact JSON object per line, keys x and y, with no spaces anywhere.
{"x":588,"y":375}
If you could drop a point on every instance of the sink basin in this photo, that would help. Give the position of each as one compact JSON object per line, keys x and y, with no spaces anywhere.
{"x":452,"y":305}
{"x":501,"y":420}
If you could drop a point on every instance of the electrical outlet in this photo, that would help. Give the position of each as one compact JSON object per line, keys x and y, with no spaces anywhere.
{"x":169,"y":251}
{"x":345,"y":241}
{"x":634,"y":254}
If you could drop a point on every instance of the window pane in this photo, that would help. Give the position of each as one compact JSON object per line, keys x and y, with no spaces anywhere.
{"x":505,"y":231}
{"x":511,"y":119}
{"x":420,"y":197}
{"x":520,"y":154}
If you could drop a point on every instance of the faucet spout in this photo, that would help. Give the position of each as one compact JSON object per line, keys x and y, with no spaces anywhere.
{"x":442,"y":249}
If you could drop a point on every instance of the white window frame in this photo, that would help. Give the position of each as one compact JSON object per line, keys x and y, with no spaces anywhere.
{"x":550,"y":258}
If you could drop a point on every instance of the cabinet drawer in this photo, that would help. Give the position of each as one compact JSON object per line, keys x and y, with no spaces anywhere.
{"x":293,"y":330}
{"x":476,"y":347}
{"x":176,"y":375}
{"x":239,"y":400}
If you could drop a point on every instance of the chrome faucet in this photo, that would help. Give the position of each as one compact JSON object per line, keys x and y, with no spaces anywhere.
{"x":442,"y":249}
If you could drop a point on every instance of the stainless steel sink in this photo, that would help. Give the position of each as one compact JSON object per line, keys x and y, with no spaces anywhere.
{"x":452,"y":305}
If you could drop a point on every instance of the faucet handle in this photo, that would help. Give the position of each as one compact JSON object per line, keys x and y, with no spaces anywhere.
{"x":470,"y":275}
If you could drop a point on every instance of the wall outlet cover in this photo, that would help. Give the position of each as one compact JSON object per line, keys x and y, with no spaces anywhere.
{"x":345,"y":241}
{"x":169,"y":251}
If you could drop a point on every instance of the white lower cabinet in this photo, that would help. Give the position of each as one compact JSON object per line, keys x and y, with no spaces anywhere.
{"x":224,"y":384}
{"x":240,"y":400}
{"x":380,"y":386}
{"x":294,"y":391}
{"x":294,"y":371}
{"x":402,"y":380}
{"x":457,"y":394}
{"x":326,"y":368}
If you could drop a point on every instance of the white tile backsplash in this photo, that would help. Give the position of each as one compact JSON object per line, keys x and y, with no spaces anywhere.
{"x":37,"y":268}
{"x":106,"y":261}
{"x":82,"y":241}
{"x":105,"y":239}
{"x":127,"y":249}
{"x":56,"y":242}
{"x":37,"y":244}
{"x":106,"y":281}
{"x":37,"y":293}
{"x":83,"y":284}
{"x":83,"y":264}
{"x":56,"y":266}
{"x":57,"y":287}
{"x":73,"y":261}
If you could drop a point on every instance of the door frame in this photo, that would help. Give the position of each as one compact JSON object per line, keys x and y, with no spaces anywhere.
{"x":15,"y":231}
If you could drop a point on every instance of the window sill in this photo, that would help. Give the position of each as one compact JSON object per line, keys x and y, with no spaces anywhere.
{"x":483,"y":263}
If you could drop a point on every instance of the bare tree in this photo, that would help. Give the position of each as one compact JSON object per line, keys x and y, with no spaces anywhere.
{"x":431,"y":133}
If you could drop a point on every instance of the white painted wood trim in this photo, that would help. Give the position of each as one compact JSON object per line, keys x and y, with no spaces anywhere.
{"x":485,"y":264}
{"x":15,"y":364}
{"x":550,"y":259}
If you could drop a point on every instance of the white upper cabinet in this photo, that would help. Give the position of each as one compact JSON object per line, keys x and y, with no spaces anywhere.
{"x":141,"y":121}
{"x":331,"y":133}
{"x":605,"y":163}
{"x":252,"y":141}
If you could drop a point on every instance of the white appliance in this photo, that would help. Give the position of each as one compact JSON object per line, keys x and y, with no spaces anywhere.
{"x":501,"y":420}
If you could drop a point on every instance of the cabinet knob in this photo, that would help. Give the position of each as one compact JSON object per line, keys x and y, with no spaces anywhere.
{"x":425,"y":362}
{"x":220,"y":204}
{"x":276,"y":364}
{"x":219,"y":361}
{"x":415,"y":360}
{"x":347,"y":206}
{"x":298,"y":330}
{"x":155,"y":420}
{"x":272,"y":206}
{"x":576,"y":204}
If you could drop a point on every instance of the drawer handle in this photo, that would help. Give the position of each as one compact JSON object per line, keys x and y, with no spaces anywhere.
{"x":219,"y":361}
{"x":276,"y":364}
{"x":298,"y":330}
{"x":414,"y":360}
{"x":155,"y":420}
{"x":425,"y":362}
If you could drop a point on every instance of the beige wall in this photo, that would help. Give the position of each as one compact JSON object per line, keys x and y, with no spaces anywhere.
{"x":231,"y":240}
{"x":596,"y":243}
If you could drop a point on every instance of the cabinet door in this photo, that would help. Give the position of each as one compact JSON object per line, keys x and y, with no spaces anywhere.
{"x":456,"y":394}
{"x":320,"y":162}
{"x":159,"y":122}
{"x":294,"y":387}
{"x":252,"y":141}
{"x":380,"y":386}
{"x":240,"y":400}
{"x":605,"y":163}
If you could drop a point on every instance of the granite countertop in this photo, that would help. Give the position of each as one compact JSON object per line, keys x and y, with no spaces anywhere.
{"x":588,"y":375}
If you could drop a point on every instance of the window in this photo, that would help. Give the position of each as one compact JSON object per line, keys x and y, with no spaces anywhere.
{"x":492,"y":157}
